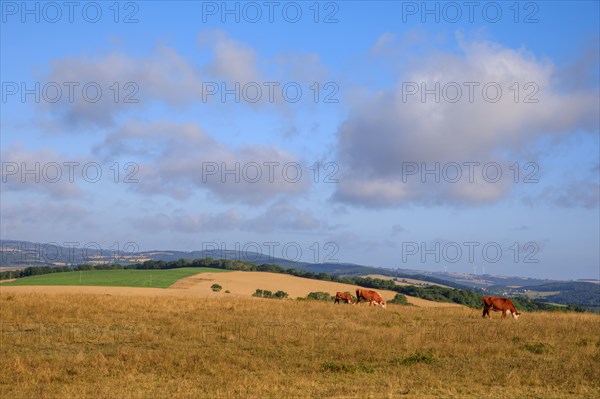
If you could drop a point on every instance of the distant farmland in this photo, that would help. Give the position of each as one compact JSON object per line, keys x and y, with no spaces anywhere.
{"x":115,"y":278}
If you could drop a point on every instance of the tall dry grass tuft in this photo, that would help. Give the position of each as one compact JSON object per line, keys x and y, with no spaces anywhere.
{"x":100,"y":346}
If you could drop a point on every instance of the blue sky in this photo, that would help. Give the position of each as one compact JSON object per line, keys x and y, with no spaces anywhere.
{"x":385,"y":90}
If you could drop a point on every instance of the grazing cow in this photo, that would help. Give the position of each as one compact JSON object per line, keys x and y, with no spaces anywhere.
{"x":370,"y":296}
{"x":345,"y":296}
{"x":499,"y":305}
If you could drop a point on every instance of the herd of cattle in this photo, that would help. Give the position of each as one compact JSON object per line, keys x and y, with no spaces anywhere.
{"x":494,"y":303}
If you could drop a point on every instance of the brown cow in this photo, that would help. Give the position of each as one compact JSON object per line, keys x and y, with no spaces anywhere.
{"x":370,"y":296}
{"x":499,"y":305}
{"x":345,"y":296}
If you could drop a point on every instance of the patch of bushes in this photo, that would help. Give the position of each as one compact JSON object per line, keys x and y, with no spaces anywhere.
{"x":269,"y":294}
{"x":442,"y":294}
{"x":572,"y":307}
{"x":263,"y":293}
{"x":528,"y":304}
{"x":320,"y":296}
{"x":216,"y":287}
{"x":400,"y":299}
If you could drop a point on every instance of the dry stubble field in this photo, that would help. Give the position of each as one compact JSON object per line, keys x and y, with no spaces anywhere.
{"x":104,"y":346}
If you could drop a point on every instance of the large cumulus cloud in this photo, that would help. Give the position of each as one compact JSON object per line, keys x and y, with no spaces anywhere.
{"x":388,"y":129}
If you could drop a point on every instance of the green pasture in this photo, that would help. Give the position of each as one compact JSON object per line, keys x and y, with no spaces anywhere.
{"x":115,"y":278}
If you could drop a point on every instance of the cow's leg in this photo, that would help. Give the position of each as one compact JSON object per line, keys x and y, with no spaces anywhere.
{"x":486,"y":311}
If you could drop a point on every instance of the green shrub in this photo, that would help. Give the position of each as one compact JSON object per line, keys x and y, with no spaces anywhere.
{"x":319,"y":296}
{"x":269,"y":294}
{"x":400,"y":299}
{"x":418,"y":357}
{"x":216,"y":287}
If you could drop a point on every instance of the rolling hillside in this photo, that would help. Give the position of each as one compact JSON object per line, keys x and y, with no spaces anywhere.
{"x":15,"y":254}
{"x":186,"y":282}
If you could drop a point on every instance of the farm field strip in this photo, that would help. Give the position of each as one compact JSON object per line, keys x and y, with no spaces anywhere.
{"x":157,"y":278}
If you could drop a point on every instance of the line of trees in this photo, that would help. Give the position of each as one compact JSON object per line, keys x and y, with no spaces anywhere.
{"x":40,"y":270}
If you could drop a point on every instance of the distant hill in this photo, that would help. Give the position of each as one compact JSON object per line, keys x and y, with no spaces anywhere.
{"x":25,"y":253}
{"x":586,"y":294}
{"x":581,"y":293}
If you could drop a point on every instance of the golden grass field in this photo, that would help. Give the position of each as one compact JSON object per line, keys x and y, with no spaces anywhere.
{"x":64,"y":343}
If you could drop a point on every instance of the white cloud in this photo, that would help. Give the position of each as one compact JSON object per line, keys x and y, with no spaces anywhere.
{"x":182,"y":159}
{"x":389,"y":129}
{"x":232,"y":60}
{"x":384,"y":41}
{"x":163,"y":75}
{"x":43,"y":171}
{"x":579,"y":193}
{"x":131,"y":83}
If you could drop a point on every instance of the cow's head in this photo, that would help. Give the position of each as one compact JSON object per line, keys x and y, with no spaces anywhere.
{"x":516,"y":315}
{"x":383,"y":304}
